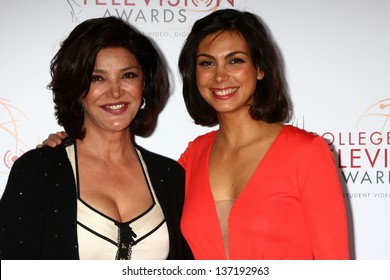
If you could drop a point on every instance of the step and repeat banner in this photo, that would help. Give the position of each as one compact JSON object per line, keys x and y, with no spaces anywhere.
{"x":337,"y":64}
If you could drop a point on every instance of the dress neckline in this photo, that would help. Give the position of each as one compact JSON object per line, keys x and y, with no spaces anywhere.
{"x":72,"y":155}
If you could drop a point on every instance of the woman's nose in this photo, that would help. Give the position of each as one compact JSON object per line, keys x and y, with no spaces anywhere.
{"x":221,"y":75}
{"x":115,"y":89}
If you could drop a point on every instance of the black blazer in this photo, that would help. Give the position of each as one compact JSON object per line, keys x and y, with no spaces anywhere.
{"x":38,"y":209}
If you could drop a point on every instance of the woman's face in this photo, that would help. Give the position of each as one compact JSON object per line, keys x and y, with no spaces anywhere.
{"x":115,"y":94}
{"x":225,"y":73}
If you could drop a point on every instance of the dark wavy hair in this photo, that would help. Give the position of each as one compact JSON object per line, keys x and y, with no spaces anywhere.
{"x":72,"y":67}
{"x":270,"y":96}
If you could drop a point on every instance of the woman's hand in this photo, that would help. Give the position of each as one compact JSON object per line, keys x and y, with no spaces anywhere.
{"x":54,"y":139}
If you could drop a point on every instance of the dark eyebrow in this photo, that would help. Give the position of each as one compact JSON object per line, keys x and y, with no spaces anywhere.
{"x":122,"y":69}
{"x":231,"y":54}
{"x":128,"y":68}
{"x":204,"y":54}
{"x":235,"y":53}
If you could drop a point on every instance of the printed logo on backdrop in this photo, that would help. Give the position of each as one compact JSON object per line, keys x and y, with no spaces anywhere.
{"x":12,"y":122}
{"x":177,"y":16}
{"x":363,"y":154}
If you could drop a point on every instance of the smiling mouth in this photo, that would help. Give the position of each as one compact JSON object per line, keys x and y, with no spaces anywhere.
{"x":115,"y":107}
{"x":224,"y":92}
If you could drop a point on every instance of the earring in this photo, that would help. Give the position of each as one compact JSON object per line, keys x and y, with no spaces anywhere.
{"x":143,"y":103}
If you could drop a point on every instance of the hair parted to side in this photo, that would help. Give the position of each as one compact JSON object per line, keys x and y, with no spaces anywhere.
{"x":72,"y":67}
{"x":270,"y":97}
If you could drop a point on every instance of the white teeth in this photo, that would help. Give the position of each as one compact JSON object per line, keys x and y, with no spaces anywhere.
{"x":224,"y":91}
{"x":115,"y":107}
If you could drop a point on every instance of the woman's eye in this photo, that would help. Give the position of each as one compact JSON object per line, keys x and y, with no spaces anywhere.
{"x":130,"y":75}
{"x":236,"y":60}
{"x":97,"y":78}
{"x":205,"y":63}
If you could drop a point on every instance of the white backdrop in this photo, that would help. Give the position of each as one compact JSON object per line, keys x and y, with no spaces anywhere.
{"x":337,"y":64}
